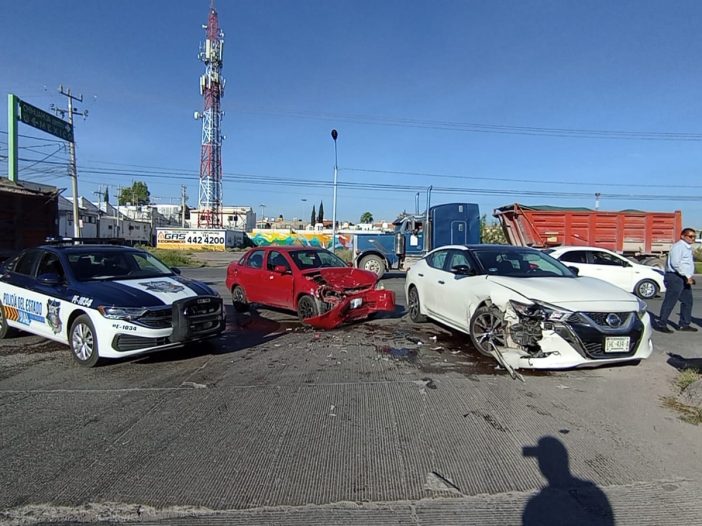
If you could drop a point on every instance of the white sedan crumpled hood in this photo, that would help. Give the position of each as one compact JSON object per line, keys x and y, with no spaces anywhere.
{"x":577,"y":294}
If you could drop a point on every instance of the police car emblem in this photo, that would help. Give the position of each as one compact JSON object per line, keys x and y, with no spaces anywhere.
{"x":53,"y":308}
{"x":162,"y":286}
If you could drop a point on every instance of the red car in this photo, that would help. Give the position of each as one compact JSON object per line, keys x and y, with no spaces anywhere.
{"x":320,"y":286}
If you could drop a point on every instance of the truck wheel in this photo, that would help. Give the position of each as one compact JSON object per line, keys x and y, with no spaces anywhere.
{"x":413,"y":306}
{"x":646,"y":289}
{"x":307,"y":307}
{"x":374,"y":263}
{"x":656,"y":263}
{"x":5,"y":330}
{"x":241,"y":304}
{"x":82,"y":339}
{"x":487,"y":328}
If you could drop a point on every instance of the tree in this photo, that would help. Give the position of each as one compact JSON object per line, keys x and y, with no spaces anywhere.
{"x":320,"y":215}
{"x":491,"y":232}
{"x":137,"y":194}
{"x":367,"y":217}
{"x":107,"y":195}
{"x":313,"y":219}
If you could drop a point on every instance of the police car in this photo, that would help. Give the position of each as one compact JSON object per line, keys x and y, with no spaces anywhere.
{"x":105,"y":301}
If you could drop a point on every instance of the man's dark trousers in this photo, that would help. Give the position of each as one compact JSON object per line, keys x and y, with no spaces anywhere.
{"x":677,"y":288}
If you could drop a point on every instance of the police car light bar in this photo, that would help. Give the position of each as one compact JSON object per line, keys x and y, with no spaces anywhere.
{"x":84,"y":241}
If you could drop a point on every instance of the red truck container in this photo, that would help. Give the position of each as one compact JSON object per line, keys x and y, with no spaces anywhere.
{"x":632,"y":233}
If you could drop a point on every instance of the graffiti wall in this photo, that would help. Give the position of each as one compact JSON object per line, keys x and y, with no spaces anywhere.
{"x":310,"y":239}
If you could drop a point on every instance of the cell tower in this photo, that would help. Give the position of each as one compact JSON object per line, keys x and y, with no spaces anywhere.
{"x":212,"y":90}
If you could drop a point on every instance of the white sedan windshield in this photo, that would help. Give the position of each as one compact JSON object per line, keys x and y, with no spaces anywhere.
{"x":521,"y":264}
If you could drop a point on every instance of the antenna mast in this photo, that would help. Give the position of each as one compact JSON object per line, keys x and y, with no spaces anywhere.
{"x":212,"y":90}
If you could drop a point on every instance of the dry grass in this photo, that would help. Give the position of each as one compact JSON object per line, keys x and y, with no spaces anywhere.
{"x":687,"y":413}
{"x":686,"y":378}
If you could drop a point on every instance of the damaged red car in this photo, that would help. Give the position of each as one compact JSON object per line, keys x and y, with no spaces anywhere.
{"x":323,"y":290}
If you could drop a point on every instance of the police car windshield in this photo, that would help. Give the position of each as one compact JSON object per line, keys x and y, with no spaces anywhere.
{"x":99,"y":265}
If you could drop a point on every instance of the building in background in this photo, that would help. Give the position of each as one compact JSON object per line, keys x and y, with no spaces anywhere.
{"x":28,"y":215}
{"x":233,"y":218}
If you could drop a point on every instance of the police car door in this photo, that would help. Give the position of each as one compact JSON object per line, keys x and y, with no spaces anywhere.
{"x":52,"y":283}
{"x":24,"y":302}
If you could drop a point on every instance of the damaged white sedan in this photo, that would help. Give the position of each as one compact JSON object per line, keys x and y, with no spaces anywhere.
{"x":526,"y":309}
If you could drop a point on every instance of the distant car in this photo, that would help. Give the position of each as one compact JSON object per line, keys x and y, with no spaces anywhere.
{"x":644,"y":281}
{"x":314,"y":282}
{"x":527,"y":309}
{"x":105,"y":301}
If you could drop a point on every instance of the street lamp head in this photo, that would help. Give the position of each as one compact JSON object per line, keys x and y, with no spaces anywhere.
{"x":334,"y":134}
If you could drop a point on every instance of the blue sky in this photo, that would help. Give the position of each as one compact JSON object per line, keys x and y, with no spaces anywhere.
{"x":491,"y":102}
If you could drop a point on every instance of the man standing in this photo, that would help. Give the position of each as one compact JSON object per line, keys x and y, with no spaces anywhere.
{"x":678,"y":280}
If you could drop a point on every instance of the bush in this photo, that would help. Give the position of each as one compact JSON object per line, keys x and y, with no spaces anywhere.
{"x":172,"y":258}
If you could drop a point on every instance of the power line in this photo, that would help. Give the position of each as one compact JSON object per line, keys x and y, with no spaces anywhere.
{"x":573,"y":133}
{"x":512,"y":180}
{"x":255,"y":179}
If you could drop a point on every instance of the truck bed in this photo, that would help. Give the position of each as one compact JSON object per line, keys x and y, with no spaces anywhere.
{"x":626,"y":231}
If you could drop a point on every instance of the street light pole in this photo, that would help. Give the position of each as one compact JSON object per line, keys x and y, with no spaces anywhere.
{"x":334,"y":135}
{"x":262,"y":218}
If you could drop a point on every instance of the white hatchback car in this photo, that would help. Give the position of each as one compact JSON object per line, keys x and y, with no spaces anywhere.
{"x":644,"y":281}
{"x":527,"y":309}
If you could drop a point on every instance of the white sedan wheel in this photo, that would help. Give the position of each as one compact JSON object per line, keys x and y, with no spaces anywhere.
{"x":487,"y":328}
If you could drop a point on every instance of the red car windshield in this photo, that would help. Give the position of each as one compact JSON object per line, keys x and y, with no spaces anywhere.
{"x":306,"y":259}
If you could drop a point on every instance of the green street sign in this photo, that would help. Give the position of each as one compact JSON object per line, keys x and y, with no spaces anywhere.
{"x":44,"y":121}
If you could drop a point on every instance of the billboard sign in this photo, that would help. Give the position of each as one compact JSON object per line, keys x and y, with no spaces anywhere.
{"x":195,"y":239}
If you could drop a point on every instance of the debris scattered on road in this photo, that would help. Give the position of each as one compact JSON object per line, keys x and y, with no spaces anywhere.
{"x":436,"y":482}
{"x":193,"y":385}
{"x":429,"y":383}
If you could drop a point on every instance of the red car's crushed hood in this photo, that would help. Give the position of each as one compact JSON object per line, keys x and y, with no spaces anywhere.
{"x":349,"y":294}
{"x":344,"y":278}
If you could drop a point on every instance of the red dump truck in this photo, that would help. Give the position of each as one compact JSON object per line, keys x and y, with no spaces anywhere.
{"x":644,"y":236}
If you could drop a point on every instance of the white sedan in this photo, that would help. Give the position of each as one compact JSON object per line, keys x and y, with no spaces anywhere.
{"x":526,"y":309}
{"x":642,"y":280}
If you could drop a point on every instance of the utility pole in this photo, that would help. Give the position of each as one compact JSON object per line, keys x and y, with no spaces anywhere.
{"x":99,"y":193}
{"x":73,"y":171}
{"x":183,"y":197}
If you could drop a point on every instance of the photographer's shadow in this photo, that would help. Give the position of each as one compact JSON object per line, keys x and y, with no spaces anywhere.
{"x":566,"y":499}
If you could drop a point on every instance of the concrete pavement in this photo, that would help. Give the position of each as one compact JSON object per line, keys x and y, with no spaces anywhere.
{"x":385,"y":422}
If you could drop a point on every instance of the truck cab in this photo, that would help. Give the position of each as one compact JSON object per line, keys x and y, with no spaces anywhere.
{"x":415,"y":235}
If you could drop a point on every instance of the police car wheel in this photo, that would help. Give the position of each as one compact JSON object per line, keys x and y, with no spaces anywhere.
{"x":5,"y":330}
{"x":83,"y":342}
{"x":239,"y":300}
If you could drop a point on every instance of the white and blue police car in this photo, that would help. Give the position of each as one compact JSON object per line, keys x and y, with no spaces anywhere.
{"x":105,"y":301}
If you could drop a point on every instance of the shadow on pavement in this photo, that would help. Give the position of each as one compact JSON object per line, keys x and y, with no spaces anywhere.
{"x":680,"y":362}
{"x":243,"y":330}
{"x":566,"y":499}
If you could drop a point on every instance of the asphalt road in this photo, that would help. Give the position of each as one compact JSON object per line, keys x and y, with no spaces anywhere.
{"x":383,"y":422}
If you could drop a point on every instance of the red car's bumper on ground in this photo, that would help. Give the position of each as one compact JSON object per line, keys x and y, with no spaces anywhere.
{"x":355,"y":307}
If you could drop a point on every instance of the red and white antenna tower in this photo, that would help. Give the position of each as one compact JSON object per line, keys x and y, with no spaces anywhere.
{"x":212,"y":90}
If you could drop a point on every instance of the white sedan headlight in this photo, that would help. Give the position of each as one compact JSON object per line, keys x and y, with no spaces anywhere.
{"x":642,"y":307}
{"x":540,"y":309}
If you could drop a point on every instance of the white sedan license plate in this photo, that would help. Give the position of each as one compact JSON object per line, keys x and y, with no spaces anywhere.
{"x":356,"y":302}
{"x":617,"y":344}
